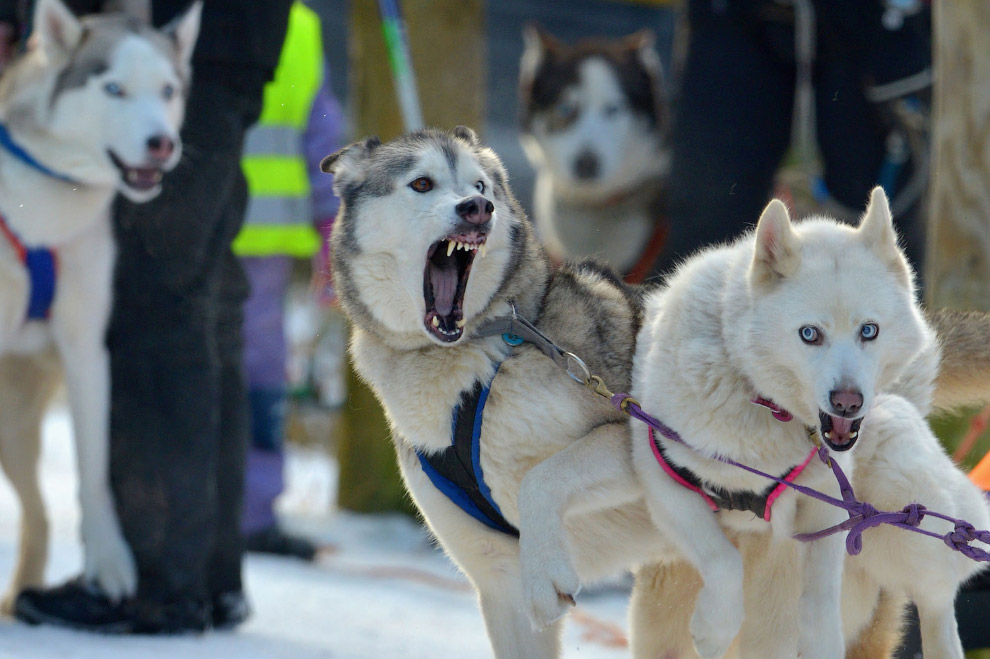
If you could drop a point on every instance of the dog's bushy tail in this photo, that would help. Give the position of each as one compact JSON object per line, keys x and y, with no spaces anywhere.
{"x":964,"y":372}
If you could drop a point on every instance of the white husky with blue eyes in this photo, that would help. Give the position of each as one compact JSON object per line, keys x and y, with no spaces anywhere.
{"x":820,"y":318}
{"x":92,"y":108}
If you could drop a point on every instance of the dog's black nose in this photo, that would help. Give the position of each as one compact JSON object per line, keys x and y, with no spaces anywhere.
{"x":476,"y":210}
{"x":160,"y":147}
{"x":846,"y":402}
{"x":586,"y":166}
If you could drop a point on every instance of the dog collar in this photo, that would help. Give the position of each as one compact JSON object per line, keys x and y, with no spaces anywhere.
{"x":456,"y":471}
{"x":15,"y":149}
{"x":643,"y":267}
{"x":42,"y":266}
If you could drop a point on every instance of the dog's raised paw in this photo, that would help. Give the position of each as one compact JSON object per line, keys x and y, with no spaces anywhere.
{"x":550,"y":590}
{"x":716,"y":622}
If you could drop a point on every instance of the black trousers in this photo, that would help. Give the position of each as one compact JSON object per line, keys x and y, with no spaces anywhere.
{"x":733,"y":122}
{"x":179,"y":414}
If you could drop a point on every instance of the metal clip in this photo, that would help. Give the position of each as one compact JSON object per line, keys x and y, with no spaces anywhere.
{"x":585,"y":376}
{"x":816,"y":439}
{"x":596,"y":384}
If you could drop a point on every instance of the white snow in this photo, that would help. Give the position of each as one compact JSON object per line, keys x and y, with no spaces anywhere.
{"x":380,"y":588}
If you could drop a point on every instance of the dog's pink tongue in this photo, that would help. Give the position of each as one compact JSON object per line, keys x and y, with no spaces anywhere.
{"x":444,"y":282}
{"x":841,"y":429}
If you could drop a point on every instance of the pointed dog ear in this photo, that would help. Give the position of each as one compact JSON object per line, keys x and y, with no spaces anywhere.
{"x":777,"y":253}
{"x":467,"y":134}
{"x":538,"y":44}
{"x":184,"y":29}
{"x":877,"y":232}
{"x":339,"y":160}
{"x":56,"y":28}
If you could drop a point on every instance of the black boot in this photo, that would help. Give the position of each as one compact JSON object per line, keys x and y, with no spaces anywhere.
{"x":273,"y":540}
{"x":80,"y":605}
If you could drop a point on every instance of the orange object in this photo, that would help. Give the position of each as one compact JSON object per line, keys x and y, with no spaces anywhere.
{"x":981,"y":473}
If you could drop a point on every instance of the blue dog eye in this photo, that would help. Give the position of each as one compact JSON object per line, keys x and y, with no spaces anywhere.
{"x":168,"y":91}
{"x":809,"y":334}
{"x":113,"y":89}
{"x":869,"y":331}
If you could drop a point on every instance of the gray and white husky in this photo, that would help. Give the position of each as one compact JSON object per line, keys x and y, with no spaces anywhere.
{"x":430,"y":247}
{"x":593,"y":116}
{"x":92,"y":108}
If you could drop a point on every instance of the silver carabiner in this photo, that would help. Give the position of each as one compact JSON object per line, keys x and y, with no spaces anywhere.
{"x":574,"y":359}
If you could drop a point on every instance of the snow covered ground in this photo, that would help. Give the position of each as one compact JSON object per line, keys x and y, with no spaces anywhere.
{"x":380,"y":589}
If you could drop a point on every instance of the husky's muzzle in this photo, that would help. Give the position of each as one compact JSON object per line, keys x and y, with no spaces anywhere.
{"x":448,"y":265}
{"x":839,"y":429}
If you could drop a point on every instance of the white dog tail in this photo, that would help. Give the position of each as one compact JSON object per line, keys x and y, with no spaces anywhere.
{"x":964,"y":372}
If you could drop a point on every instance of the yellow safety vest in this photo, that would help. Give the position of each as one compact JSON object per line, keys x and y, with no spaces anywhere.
{"x":279,"y":217}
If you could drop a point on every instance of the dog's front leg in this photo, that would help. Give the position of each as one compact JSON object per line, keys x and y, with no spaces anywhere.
{"x":689,"y":523}
{"x":78,"y":322}
{"x":108,"y":558}
{"x":821,"y":619}
{"x":591,"y":474}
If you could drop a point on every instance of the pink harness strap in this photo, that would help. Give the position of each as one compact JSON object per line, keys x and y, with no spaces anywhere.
{"x":771,"y":498}
{"x":677,"y":477}
{"x":794,"y":473}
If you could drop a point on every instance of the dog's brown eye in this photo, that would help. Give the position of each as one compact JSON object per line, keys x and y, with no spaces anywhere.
{"x":422,"y":184}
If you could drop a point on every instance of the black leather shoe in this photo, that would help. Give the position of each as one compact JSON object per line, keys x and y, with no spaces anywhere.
{"x":274,"y":540}
{"x":76,"y":605}
{"x":230,"y":609}
{"x":80,"y":605}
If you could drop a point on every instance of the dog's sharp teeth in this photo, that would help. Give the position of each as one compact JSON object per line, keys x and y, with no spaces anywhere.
{"x":483,"y":249}
{"x":853,"y":435}
{"x":461,"y":323}
{"x":450,"y":247}
{"x":132,"y":176}
{"x":436,"y":321}
{"x":827,"y":434}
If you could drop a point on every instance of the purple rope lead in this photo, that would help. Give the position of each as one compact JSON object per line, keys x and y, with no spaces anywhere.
{"x":862,"y":515}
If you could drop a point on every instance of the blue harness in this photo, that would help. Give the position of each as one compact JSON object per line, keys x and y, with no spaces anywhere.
{"x":456,"y":471}
{"x":41,"y":262}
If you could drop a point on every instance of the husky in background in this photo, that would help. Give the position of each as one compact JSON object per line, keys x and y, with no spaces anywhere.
{"x":429,"y":248}
{"x":593,"y":117}
{"x":92,"y":108}
{"x":822,"y":319}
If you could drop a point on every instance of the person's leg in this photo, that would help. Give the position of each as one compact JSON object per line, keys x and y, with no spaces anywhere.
{"x":731,"y":129}
{"x":169,"y":367}
{"x":224,"y":577}
{"x":265,"y":357}
{"x":853,"y":132}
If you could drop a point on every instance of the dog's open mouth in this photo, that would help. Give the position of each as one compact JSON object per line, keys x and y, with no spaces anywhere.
{"x":839,"y":432}
{"x":139,"y":178}
{"x":448,"y":264}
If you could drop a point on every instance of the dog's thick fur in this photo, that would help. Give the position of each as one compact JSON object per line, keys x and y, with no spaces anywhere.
{"x":726,"y":328}
{"x":85,"y":89}
{"x":593,"y":121}
{"x":557,"y":458}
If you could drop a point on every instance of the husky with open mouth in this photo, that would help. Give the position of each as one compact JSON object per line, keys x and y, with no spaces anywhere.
{"x":523,"y":475}
{"x":817,"y":321}
{"x":92,"y":108}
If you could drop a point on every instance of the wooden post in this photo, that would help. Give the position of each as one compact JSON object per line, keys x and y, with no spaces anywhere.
{"x":447,"y":44}
{"x":957,"y":267}
{"x":958,"y":263}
